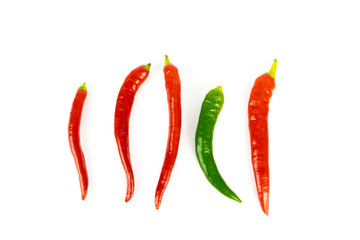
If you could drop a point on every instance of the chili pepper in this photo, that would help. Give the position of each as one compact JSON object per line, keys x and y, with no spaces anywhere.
{"x":173,"y":89}
{"x":74,"y":138}
{"x":258,"y":110}
{"x":210,"y":110}
{"x":123,"y":107}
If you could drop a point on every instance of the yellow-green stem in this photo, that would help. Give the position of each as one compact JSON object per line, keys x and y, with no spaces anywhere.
{"x":273,"y":69}
{"x":83,"y":87}
{"x":219,"y":88}
{"x":167,"y":61}
{"x":147,"y":67}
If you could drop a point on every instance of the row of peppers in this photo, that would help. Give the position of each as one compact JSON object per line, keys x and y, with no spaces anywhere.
{"x":258,"y":109}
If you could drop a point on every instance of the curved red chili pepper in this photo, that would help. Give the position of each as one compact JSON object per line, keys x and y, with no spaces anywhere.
{"x":258,"y":110}
{"x":74,"y":138}
{"x":123,"y":107}
{"x":173,"y":88}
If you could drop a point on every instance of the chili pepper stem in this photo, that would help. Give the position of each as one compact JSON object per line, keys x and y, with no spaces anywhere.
{"x":167,"y":61}
{"x":272,"y":71}
{"x":83,"y":87}
{"x":219,"y":88}
{"x":147,"y":67}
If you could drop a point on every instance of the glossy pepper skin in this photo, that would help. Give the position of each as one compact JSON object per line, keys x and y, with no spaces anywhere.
{"x":173,"y":89}
{"x":258,"y":110}
{"x":123,"y":108}
{"x":74,"y":138}
{"x":209,"y":113}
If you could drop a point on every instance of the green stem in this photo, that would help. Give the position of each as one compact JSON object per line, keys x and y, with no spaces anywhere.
{"x":83,"y":87}
{"x":167,"y":61}
{"x":273,"y":69}
{"x":147,"y":67}
{"x":219,"y":88}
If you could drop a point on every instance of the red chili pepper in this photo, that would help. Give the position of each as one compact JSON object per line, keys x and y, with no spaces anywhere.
{"x":124,"y":104}
{"x":258,"y":110}
{"x":173,"y":89}
{"x":74,"y":138}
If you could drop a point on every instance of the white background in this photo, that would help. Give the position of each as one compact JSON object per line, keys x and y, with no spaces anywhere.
{"x":49,"y":48}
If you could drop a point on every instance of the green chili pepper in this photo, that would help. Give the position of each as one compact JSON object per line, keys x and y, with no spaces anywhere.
{"x":209,"y":113}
